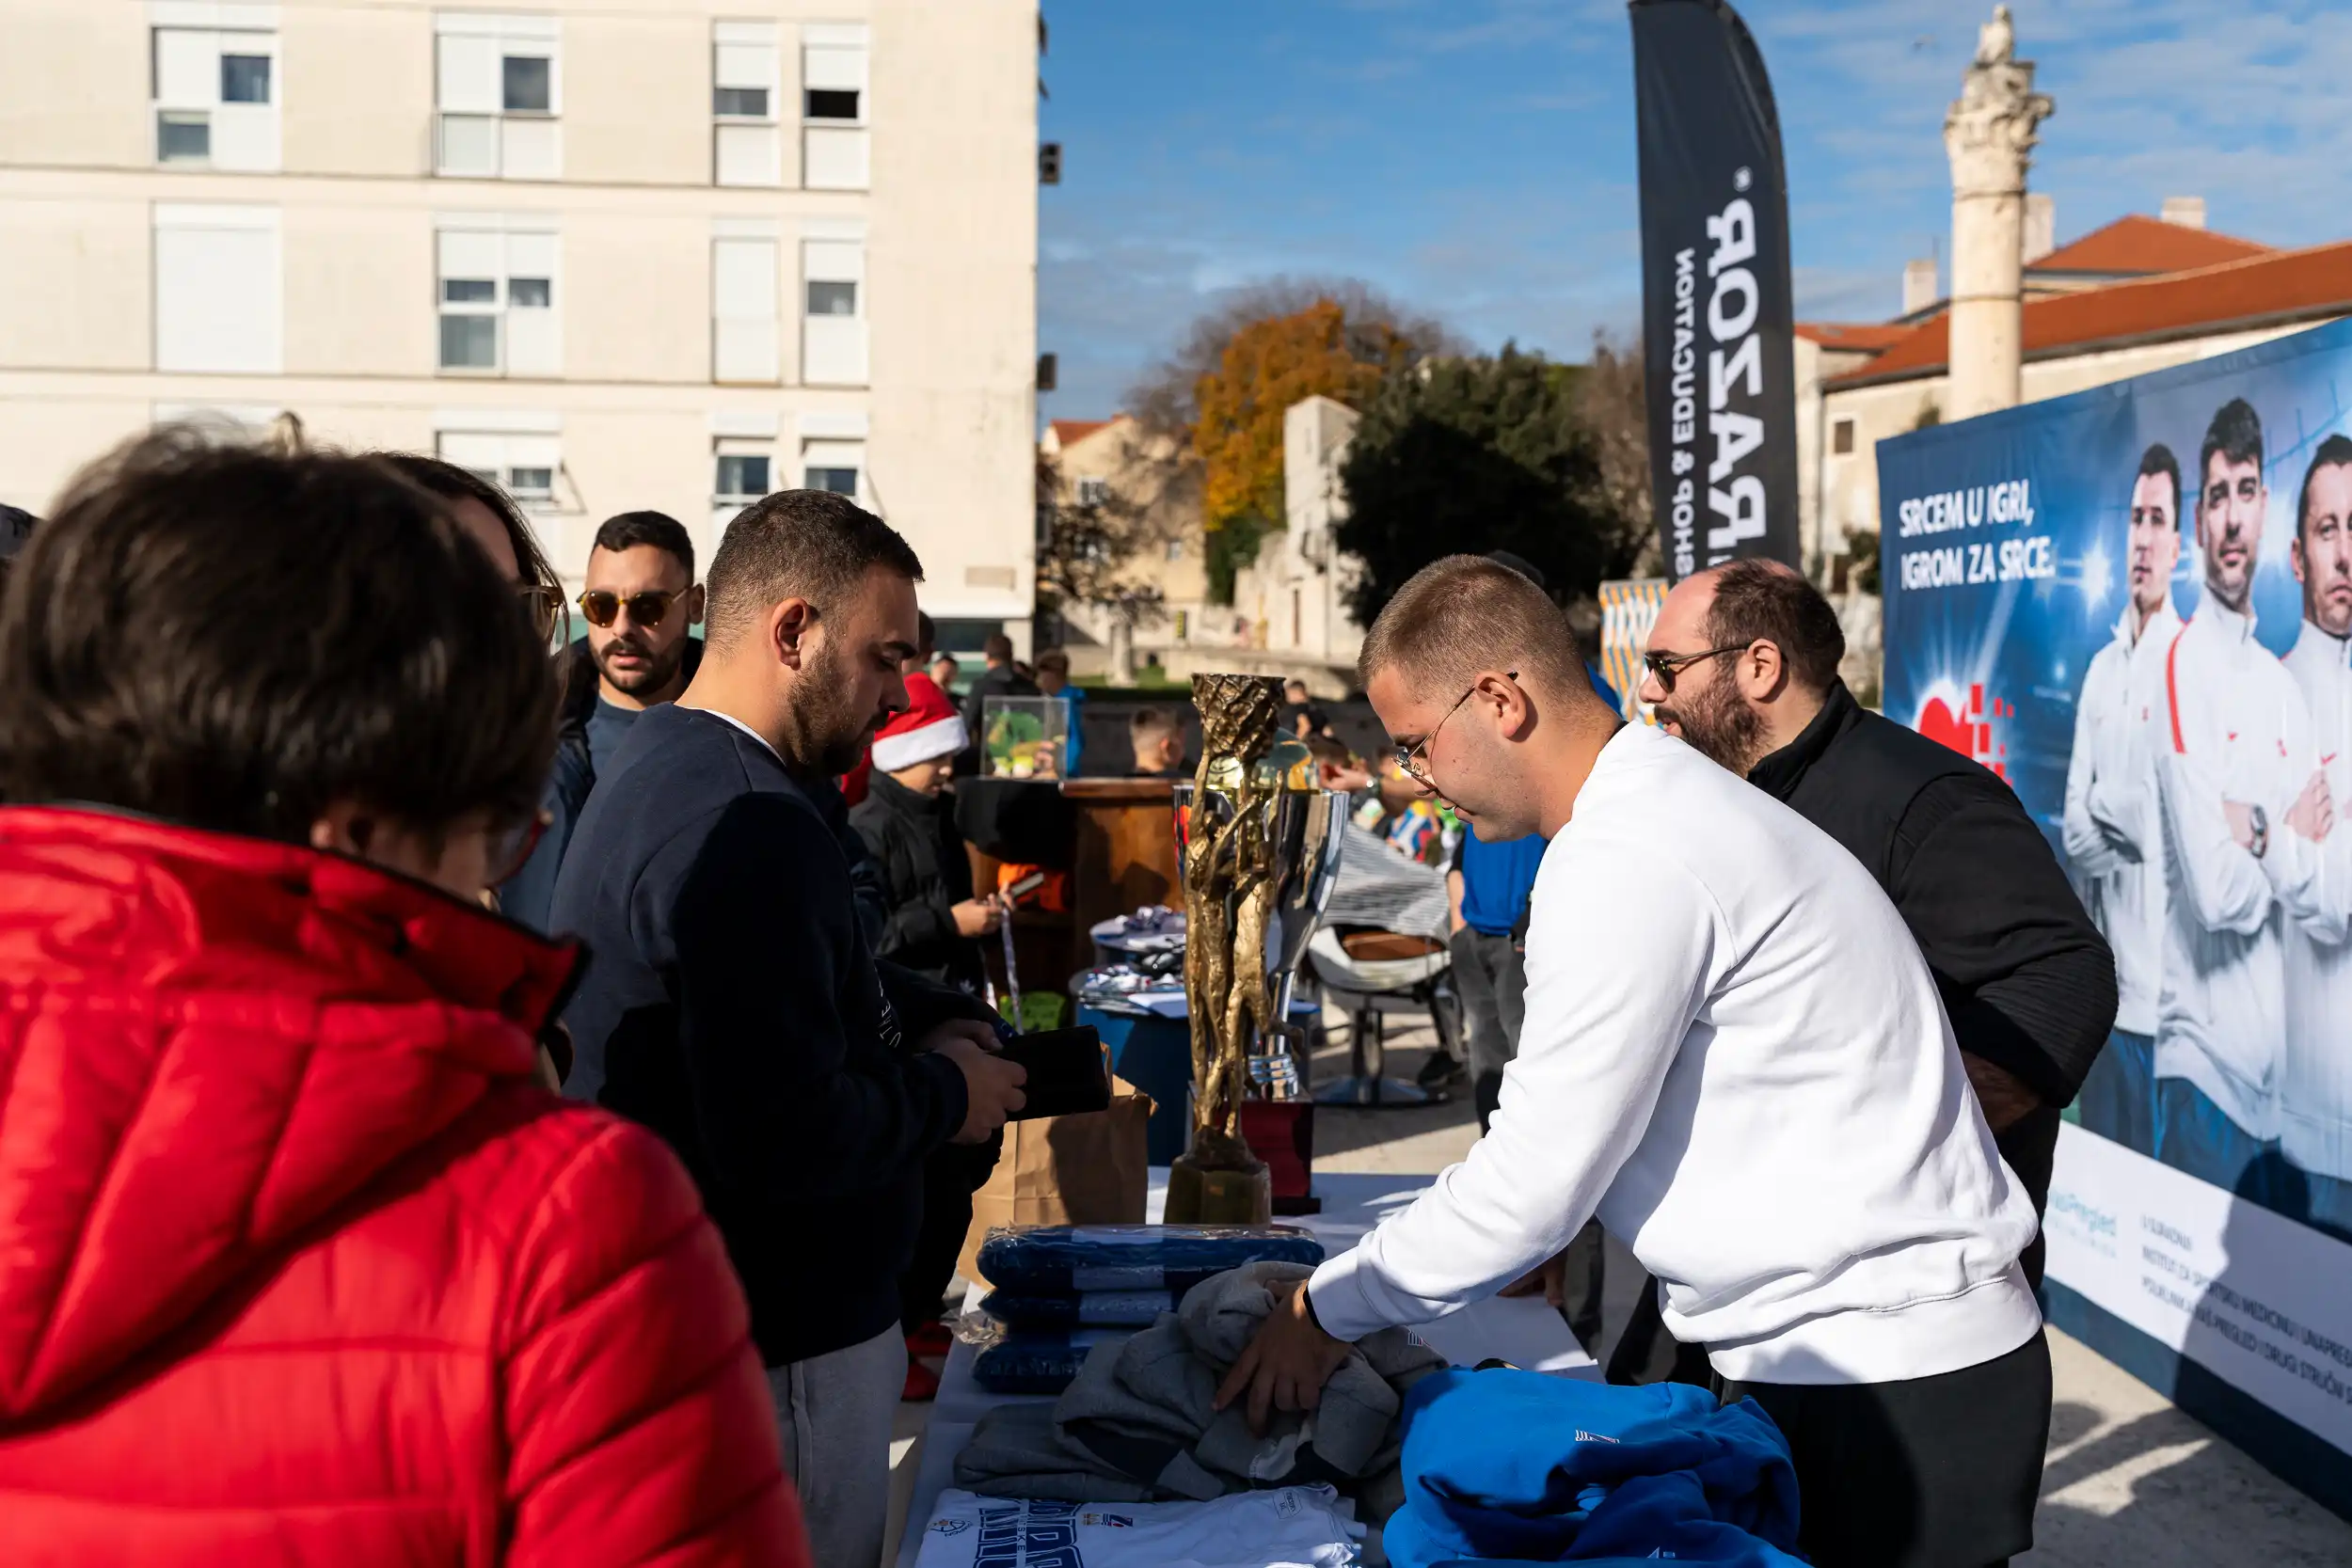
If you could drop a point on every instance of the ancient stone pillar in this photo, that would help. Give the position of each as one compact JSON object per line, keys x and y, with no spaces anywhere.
{"x":1989,"y":137}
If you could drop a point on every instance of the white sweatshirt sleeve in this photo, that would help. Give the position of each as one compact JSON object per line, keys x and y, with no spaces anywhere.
{"x":2088,"y":843}
{"x":2224,"y":886}
{"x":1614,"y":985}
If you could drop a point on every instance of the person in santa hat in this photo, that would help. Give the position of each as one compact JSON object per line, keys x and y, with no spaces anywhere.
{"x":933,"y":928}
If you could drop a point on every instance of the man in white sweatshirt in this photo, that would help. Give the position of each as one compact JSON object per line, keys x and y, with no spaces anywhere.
{"x":2242,"y":796}
{"x":2315,"y":1077}
{"x":1738,"y":1059}
{"x":2114,"y":823}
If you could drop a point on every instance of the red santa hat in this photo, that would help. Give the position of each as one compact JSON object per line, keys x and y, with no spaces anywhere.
{"x":930,"y":727}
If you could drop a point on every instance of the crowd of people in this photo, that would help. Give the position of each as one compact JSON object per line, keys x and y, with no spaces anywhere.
{"x":305,"y":1260}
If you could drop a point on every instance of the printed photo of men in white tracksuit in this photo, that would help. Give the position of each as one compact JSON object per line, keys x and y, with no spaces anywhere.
{"x":2242,"y":796}
{"x":2315,"y":1078}
{"x":2114,"y":822}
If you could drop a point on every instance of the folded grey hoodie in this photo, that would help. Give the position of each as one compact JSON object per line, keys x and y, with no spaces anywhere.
{"x":1141,"y":1415}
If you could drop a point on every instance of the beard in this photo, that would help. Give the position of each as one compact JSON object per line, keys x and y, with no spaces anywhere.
{"x":659,"y":671}
{"x":1717,"y":721}
{"x":831,"y":727}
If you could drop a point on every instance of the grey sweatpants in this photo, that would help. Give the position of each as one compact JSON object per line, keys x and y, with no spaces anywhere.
{"x":836,"y":1412}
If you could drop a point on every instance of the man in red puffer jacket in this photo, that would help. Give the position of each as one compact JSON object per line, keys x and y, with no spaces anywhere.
{"x":298,"y":1265}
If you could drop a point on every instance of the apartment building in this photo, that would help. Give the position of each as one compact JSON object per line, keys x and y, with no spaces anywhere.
{"x":615,"y":253}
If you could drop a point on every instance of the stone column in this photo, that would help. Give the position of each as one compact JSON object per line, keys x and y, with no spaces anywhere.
{"x":1989,"y":137}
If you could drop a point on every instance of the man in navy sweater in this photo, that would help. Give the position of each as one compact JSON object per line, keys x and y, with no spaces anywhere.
{"x":733,"y":1004}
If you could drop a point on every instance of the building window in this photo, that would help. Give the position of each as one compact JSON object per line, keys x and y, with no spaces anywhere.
{"x":745,"y":473}
{"x":1841,"y":437}
{"x":1175,"y":549}
{"x":499,"y":91}
{"x":743,"y":293}
{"x":498,"y":302}
{"x":748,"y":139}
{"x":524,"y":466}
{"x":832,"y":108}
{"x":832,"y":326}
{"x":218,"y":291}
{"x":834,"y":466}
{"x":1093,"y":492}
{"x":215,"y":97}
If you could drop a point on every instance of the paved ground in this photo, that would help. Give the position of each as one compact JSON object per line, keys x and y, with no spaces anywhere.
{"x":2130,"y":1480}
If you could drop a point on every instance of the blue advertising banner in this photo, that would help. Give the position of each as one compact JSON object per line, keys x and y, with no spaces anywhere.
{"x":2135,"y":605}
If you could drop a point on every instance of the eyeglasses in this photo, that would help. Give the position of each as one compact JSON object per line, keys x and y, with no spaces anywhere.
{"x":512,"y":849}
{"x":542,"y":603}
{"x":650,"y":609}
{"x":1667,"y":666}
{"x":1414,"y":759}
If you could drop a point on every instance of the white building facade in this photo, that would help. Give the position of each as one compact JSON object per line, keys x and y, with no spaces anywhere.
{"x":618,"y":256}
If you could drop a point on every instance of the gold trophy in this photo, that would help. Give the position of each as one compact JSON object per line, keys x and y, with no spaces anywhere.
{"x":1260,"y":841}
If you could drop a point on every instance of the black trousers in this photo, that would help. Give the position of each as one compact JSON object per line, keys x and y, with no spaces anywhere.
{"x":950,"y":1177}
{"x":1935,"y":1472}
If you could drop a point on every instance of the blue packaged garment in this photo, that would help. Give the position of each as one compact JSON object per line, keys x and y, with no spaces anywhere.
{"x":1083,"y":1309}
{"x":1511,"y":1466}
{"x":1038,"y":1360}
{"x":1063,"y":1260}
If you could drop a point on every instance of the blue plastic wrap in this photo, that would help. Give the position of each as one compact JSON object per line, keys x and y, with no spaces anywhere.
{"x":1090,"y":1309}
{"x":1064,"y":1259}
{"x":1038,"y":1360}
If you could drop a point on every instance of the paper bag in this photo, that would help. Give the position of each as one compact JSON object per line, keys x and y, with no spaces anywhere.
{"x":1087,"y":1170}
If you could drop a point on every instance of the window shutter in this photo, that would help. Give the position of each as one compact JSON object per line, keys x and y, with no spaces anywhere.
{"x":743,"y":293}
{"x":217,"y":305}
{"x":471,"y":81}
{"x":187,"y":69}
{"x":535,"y":336}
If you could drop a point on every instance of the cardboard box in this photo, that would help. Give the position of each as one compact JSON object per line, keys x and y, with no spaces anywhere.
{"x":1087,"y":1169}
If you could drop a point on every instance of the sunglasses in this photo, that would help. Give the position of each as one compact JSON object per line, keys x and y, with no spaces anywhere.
{"x":1666,"y":667}
{"x":542,"y":603}
{"x":512,"y":849}
{"x":650,"y":609}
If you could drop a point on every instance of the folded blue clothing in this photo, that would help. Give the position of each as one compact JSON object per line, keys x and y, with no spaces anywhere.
{"x":1038,"y":1360}
{"x":1513,"y":1466}
{"x":1079,"y":1310}
{"x":1064,"y":1259}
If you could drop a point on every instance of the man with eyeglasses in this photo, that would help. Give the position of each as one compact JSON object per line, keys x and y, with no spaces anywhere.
{"x":1733,"y":1054}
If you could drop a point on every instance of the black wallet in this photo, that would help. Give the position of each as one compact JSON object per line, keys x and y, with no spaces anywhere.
{"x":1067,"y":1073}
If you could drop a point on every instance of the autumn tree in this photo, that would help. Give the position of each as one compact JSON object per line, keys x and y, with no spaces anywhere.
{"x":1615,"y":412}
{"x":1478,"y":453}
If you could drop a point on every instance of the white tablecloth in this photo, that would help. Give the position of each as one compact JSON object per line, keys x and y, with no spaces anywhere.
{"x":1524,"y":1331}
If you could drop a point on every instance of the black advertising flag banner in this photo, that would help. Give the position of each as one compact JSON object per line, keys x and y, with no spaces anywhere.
{"x":1716,"y":315}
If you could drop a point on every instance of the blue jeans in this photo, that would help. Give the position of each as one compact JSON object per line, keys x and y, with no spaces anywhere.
{"x":2197,"y":1137}
{"x":2118,"y":1098}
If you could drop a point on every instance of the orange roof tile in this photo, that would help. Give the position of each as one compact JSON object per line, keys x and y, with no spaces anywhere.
{"x":2274,"y":286}
{"x":2137,"y":244}
{"x":1066,"y":431}
{"x":1868,"y":336}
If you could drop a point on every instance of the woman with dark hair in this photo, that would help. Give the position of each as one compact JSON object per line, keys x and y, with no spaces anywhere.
{"x":490,"y":518}
{"x":301,"y":1263}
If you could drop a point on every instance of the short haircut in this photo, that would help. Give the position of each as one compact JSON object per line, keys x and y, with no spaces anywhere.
{"x":451,"y":483}
{"x":2158,"y":459}
{"x":1054,"y":659}
{"x":1151,"y":724}
{"x":2236,"y":434}
{"x":233,"y":639}
{"x":1761,"y":600}
{"x":2334,"y":452}
{"x":810,"y":545}
{"x":1463,"y":613}
{"x":998,"y":648}
{"x":629,"y":529}
{"x":925,"y":634}
{"x":1520,"y":564}
{"x":943,"y":657}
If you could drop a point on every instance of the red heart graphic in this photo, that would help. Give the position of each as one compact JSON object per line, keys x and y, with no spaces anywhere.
{"x":1941,"y":724}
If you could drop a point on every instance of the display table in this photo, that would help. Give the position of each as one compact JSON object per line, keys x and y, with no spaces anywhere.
{"x":1524,"y":1331}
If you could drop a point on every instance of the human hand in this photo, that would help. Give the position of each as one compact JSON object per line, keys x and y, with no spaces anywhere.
{"x":2241,"y":820}
{"x":976,"y":917}
{"x":1287,"y":1362}
{"x":1549,"y":1277}
{"x":2314,"y":814}
{"x":2002,"y":1093}
{"x":991,"y":1085}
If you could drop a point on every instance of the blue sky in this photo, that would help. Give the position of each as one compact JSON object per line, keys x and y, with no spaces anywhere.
{"x":1475,"y":158}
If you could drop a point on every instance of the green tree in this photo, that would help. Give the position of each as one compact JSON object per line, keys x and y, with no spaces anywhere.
{"x":1476,"y":455}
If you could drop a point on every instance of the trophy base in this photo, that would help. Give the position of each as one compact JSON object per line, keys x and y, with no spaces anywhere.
{"x":1197,"y":1195}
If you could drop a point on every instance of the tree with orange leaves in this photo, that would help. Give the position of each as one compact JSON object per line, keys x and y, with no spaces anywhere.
{"x":1266,"y":366}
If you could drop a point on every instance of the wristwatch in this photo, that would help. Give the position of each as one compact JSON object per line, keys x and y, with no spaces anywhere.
{"x":2262,"y":829}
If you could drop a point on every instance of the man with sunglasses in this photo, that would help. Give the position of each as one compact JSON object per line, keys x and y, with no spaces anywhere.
{"x":640,"y":599}
{"x":1733,"y":1055}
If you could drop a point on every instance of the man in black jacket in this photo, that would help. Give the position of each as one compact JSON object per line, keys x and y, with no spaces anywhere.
{"x":1743,"y":665}
{"x":733,"y":1004}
